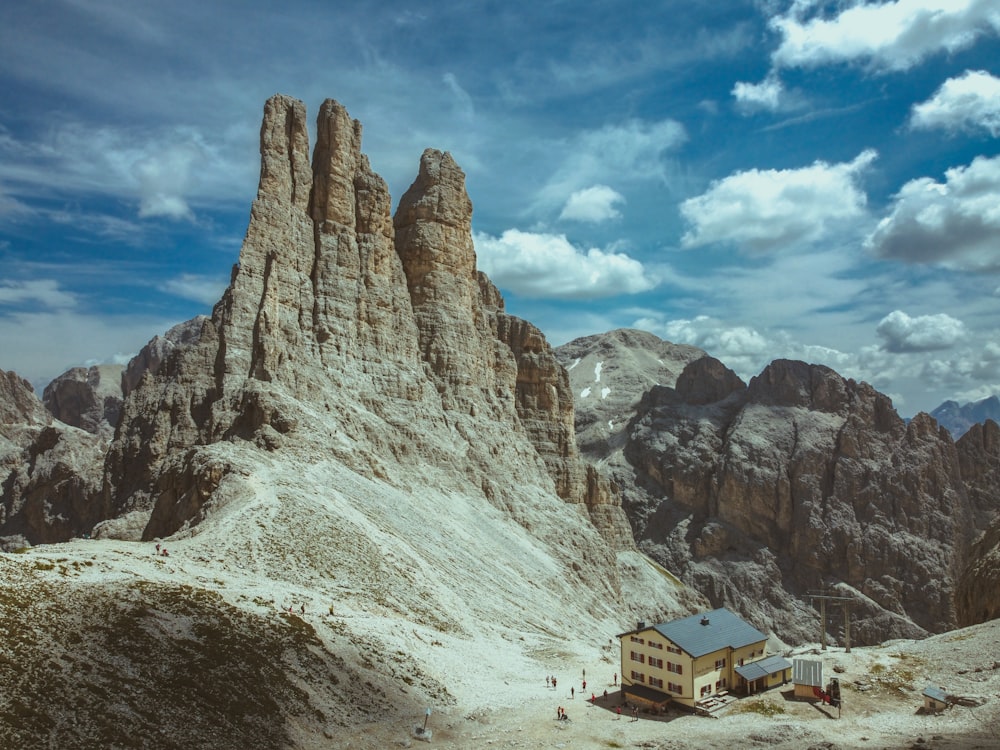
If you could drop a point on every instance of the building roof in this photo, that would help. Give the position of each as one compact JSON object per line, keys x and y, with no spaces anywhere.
{"x":807,"y":672}
{"x":711,"y":631}
{"x":936,"y":693}
{"x":763,"y":667}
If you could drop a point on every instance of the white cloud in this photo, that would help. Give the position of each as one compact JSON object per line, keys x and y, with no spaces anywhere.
{"x":198,"y":288}
{"x":160,"y":171}
{"x":955,"y":223}
{"x":770,"y":210}
{"x":40,"y":346}
{"x":594,"y":204}
{"x":45,"y":292}
{"x":969,"y":102}
{"x":463,"y":105}
{"x":766,"y":95}
{"x":747,"y":350}
{"x":890,"y":36}
{"x":164,"y":179}
{"x":548,"y":265}
{"x":628,"y":152}
{"x":924,"y":333}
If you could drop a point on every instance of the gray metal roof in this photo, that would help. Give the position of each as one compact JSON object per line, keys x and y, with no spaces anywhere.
{"x":763,"y":667}
{"x":711,"y":631}
{"x":936,"y":693}
{"x":807,"y":672}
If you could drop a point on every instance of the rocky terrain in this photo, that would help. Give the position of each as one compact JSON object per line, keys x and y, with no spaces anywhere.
{"x":800,"y":481}
{"x":359,"y":432}
{"x":355,"y":492}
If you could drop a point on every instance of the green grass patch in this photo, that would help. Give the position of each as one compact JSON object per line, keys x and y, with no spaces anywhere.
{"x":761,"y":708}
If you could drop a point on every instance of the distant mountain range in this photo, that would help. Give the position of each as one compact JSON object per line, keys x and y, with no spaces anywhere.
{"x":958,"y":419}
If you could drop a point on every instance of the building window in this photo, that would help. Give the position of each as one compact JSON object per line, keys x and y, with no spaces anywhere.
{"x":673,"y":687}
{"x":636,"y":656}
{"x":720,"y":684}
{"x":637,"y":639}
{"x":675,"y":668}
{"x":673,"y":649}
{"x":720,"y":663}
{"x":654,"y":662}
{"x":656,"y":682}
{"x":705,"y":690}
{"x":655,"y":644}
{"x":638,"y":676}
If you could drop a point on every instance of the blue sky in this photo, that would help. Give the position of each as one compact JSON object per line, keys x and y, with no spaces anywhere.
{"x":818,"y":181}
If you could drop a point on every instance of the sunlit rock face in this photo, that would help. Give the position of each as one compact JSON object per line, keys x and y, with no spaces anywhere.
{"x":757,"y":494}
{"x":343,"y":320}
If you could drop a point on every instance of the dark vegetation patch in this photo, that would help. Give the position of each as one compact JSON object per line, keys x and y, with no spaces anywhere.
{"x":165,"y":666}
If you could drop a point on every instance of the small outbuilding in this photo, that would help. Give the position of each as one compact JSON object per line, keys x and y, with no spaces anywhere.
{"x":935,"y":699}
{"x":764,"y":673}
{"x":807,"y":675}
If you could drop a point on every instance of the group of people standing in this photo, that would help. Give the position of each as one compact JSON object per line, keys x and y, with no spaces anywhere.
{"x":550,"y":681}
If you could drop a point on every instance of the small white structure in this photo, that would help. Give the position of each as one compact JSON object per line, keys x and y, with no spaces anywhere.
{"x":807,"y":675}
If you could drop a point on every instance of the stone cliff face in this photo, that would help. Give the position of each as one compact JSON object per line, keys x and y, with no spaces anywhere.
{"x":758,"y":494}
{"x":88,"y":398}
{"x":338,"y":314}
{"x":49,"y":471}
{"x":978,"y":596}
{"x":157,"y":350}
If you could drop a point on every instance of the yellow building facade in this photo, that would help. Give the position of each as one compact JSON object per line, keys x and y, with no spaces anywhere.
{"x":693,"y":658}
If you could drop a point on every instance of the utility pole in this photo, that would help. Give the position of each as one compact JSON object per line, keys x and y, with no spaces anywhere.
{"x":843,"y":601}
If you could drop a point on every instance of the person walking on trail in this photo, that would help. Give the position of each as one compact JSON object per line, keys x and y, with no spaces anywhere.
{"x":553,"y":683}
{"x":618,"y":710}
{"x":584,"y":684}
{"x":548,"y":680}
{"x":572,"y":693}
{"x":615,"y":679}
{"x":635,"y":713}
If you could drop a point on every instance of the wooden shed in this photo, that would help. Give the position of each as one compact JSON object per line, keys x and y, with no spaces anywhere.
{"x":807,"y":675}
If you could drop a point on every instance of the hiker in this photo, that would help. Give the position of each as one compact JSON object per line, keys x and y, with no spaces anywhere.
{"x":593,"y":698}
{"x":553,"y":683}
{"x":584,"y":684}
{"x":618,"y":711}
{"x":635,"y":713}
{"x":303,"y":609}
{"x":605,"y":695}
{"x":548,"y":680}
{"x":615,"y":678}
{"x":157,"y":548}
{"x":572,"y":693}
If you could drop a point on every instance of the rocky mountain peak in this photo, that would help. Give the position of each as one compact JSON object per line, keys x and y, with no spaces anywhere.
{"x":706,"y":381}
{"x":793,"y":383}
{"x":18,"y":402}
{"x":87,"y":397}
{"x":383,"y":323}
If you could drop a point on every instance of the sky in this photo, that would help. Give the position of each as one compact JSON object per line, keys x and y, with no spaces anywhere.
{"x":763,"y":179}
